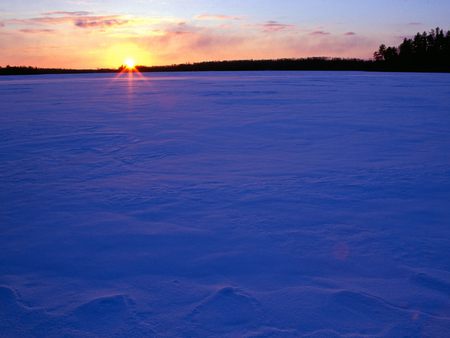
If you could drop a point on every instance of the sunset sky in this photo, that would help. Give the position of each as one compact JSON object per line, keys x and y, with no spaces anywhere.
{"x":94,"y":33}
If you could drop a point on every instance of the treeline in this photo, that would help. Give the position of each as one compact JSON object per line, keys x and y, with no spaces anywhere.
{"x":22,"y":70}
{"x":427,"y":51}
{"x":316,"y":63}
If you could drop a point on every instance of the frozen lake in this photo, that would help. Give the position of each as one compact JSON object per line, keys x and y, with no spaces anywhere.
{"x":277,"y":204}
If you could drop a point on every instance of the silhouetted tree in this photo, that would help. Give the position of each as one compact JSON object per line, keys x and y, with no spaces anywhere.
{"x":425,"y":51}
{"x":379,"y":55}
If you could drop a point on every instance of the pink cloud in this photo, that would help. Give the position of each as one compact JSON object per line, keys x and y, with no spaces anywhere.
{"x":217,"y":17}
{"x":188,"y":43}
{"x":36,"y":31}
{"x":320,"y":33}
{"x":99,"y":22}
{"x":80,"y":21}
{"x":75,"y":13}
{"x":169,"y":41}
{"x":275,"y":26}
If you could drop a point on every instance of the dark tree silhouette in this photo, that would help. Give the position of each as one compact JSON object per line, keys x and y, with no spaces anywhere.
{"x":424,"y":52}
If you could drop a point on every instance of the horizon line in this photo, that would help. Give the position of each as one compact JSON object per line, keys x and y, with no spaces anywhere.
{"x":324,"y":58}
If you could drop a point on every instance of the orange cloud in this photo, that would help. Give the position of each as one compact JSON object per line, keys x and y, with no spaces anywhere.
{"x":189,"y":43}
{"x":105,"y":40}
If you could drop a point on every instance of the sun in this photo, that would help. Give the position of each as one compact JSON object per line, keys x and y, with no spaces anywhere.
{"x":129,"y":63}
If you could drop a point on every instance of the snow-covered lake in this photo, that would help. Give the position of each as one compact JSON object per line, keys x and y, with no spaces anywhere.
{"x":272,"y":204}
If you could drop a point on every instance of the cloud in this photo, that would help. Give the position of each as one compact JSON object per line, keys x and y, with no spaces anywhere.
{"x":36,"y":31}
{"x":217,"y":17}
{"x":275,"y":26}
{"x":166,"y":40}
{"x":180,"y":43}
{"x":320,"y":33}
{"x":79,"y":2}
{"x":333,"y":45}
{"x":81,"y":21}
{"x":41,"y":21}
{"x":65,"y":13}
{"x":99,"y":22}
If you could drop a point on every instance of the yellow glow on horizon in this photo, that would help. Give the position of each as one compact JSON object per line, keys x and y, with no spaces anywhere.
{"x":127,"y":54}
{"x":129,"y":63}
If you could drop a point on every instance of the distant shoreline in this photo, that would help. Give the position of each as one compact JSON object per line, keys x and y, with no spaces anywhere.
{"x":308,"y":64}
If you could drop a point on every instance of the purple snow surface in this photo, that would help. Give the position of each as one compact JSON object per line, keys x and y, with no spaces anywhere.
{"x":277,"y":204}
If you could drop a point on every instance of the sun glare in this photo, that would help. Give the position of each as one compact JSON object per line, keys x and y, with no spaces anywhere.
{"x":130,"y":64}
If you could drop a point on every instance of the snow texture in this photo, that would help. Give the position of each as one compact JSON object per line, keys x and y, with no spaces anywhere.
{"x":272,"y":204}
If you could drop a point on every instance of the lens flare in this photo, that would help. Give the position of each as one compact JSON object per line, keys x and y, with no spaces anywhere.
{"x":130,"y":64}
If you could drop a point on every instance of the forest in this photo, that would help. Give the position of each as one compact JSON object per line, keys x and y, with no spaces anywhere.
{"x":427,"y":51}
